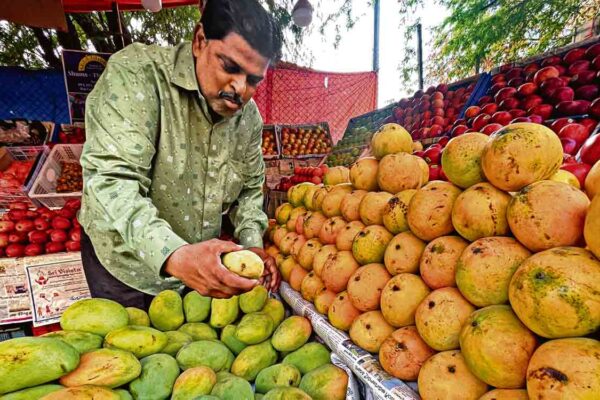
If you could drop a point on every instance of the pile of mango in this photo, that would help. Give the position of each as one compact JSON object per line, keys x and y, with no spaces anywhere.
{"x":188,"y":348}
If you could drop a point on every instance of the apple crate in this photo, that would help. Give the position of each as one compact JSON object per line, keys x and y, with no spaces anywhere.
{"x":44,"y":187}
{"x":281,"y":129}
{"x":38,"y":154}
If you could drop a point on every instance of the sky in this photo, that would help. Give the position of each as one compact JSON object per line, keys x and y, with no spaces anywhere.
{"x":355,"y":49}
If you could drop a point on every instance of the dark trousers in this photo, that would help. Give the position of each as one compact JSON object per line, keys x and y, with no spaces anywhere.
{"x":103,"y":284}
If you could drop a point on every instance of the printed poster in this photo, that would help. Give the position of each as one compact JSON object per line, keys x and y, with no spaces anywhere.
{"x":14,"y":293}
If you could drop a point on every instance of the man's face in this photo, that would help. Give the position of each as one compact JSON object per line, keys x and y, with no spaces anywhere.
{"x":228,"y":71}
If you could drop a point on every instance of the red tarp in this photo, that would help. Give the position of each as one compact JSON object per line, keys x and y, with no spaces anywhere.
{"x":294,"y":95}
{"x":106,"y":5}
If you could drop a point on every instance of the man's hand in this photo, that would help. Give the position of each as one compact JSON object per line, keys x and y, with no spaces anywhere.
{"x":199,"y":267}
{"x":271,"y":278}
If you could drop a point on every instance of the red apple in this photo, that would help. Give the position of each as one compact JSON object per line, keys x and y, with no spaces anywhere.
{"x":543,"y":110}
{"x":580,"y":170}
{"x":7,"y":226}
{"x":536,"y":119}
{"x":58,"y":235}
{"x":37,"y":237}
{"x":590,"y":151}
{"x":596,"y":63}
{"x":516,"y":113}
{"x":574,"y":55}
{"x":529,"y":68}
{"x":472,"y":111}
{"x":592,"y":51}
{"x":545,"y":73}
{"x":569,"y":145}
{"x":18,"y":205}
{"x":33,"y":249}
{"x":432,"y":154}
{"x":559,"y":123}
{"x":569,"y":159}
{"x":4,"y":240}
{"x":520,"y":119}
{"x":442,"y":87}
{"x":490,"y":108}
{"x":435,"y":131}
{"x":17,"y":237}
{"x":502,"y":117}
{"x":434,"y":172}
{"x":72,"y":246}
{"x":59,"y":222}
{"x":496,"y":87}
{"x":484,"y":100}
{"x":577,"y":132}
{"x":531,"y":101}
{"x":589,"y":124}
{"x":430,"y":90}
{"x":527,"y":88}
{"x":579,"y":66}
{"x":443,"y":141}
{"x":576,"y":107}
{"x":459,"y":130}
{"x":505,"y":93}
{"x":509,"y":104}
{"x":24,"y":225}
{"x":562,"y":70}
{"x":437,"y":120}
{"x":587,"y":92}
{"x":491,"y":128}
{"x":552,"y":60}
{"x":595,"y":108}
{"x":480,"y":121}
{"x":549,"y":86}
{"x":516,"y":82}
{"x":16,"y":215}
{"x":583,"y":78}
{"x":54,"y":247}
{"x":15,"y":250}
{"x":563,"y":94}
{"x":514,"y":73}
{"x":498,"y":78}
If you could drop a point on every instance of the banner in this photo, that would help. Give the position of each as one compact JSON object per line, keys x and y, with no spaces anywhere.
{"x":81,"y":71}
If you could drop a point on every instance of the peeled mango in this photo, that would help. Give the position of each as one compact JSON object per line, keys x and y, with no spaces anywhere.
{"x":159,"y":372}
{"x":209,"y":353}
{"x":81,"y":341}
{"x":34,"y":393}
{"x":325,"y":383}
{"x":138,"y":317}
{"x":275,"y":309}
{"x":254,"y":328}
{"x":104,"y":367}
{"x":22,"y":358}
{"x":196,"y":307}
{"x":292,"y":334}
{"x":244,"y":263}
{"x":166,"y":311}
{"x":254,"y":359}
{"x":198,"y":331}
{"x":224,"y":311}
{"x":85,"y":392}
{"x":142,"y":341}
{"x":233,"y":388}
{"x":277,"y":375}
{"x":308,"y":357}
{"x":253,"y":300}
{"x":286,"y":393}
{"x":194,"y":382}
{"x":98,"y":316}
{"x":175,"y":341}
{"x":230,"y":340}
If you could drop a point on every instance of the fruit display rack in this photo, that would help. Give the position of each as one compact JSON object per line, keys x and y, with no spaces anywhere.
{"x":271,"y":148}
{"x":9,"y":155}
{"x":305,"y":140}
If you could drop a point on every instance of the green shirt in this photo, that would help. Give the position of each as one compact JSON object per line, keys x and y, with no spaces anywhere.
{"x":158,"y":173}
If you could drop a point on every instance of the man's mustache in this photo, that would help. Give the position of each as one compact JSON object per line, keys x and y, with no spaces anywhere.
{"x":233,"y":97}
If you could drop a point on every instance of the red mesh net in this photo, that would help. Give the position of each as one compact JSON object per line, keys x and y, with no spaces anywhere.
{"x":294,"y":95}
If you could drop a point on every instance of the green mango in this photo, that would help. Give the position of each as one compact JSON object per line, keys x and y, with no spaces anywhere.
{"x":196,"y":307}
{"x":223,"y":311}
{"x":224,"y":375}
{"x":258,"y":396}
{"x":137,"y":316}
{"x":32,"y":361}
{"x":159,"y":372}
{"x":198,"y":331}
{"x":81,"y":341}
{"x":286,"y":393}
{"x":254,"y":359}
{"x":325,"y":383}
{"x":254,"y":300}
{"x":142,"y":341}
{"x":166,"y":311}
{"x":254,"y":328}
{"x":233,"y":389}
{"x":98,"y":316}
{"x":124,"y":394}
{"x":292,"y":333}
{"x":175,"y":341}
{"x":275,"y":309}
{"x":308,"y":357}
{"x":85,"y":392}
{"x":207,"y":397}
{"x":277,"y":375}
{"x":34,"y":393}
{"x":212,"y":354}
{"x":104,"y":367}
{"x":228,"y":337}
{"x":194,"y":382}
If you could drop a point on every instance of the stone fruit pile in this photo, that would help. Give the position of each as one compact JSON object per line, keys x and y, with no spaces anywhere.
{"x":269,"y":143}
{"x":182,"y":349}
{"x":486,"y":283}
{"x":297,"y":141}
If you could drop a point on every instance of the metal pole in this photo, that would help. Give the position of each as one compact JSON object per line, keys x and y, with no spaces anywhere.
{"x":115,"y":9}
{"x":420,"y":54}
{"x":376,"y":15}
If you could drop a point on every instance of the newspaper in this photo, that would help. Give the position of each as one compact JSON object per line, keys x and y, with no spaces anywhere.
{"x":363,"y":364}
{"x":54,"y":286}
{"x":14,"y":293}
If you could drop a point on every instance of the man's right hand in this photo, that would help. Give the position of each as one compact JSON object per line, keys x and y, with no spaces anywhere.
{"x":199,"y":267}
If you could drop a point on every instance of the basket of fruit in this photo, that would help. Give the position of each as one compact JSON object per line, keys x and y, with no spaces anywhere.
{"x":270,"y":143}
{"x":18,"y":168}
{"x":302,"y":141}
{"x":71,"y":134}
{"x":60,"y":178}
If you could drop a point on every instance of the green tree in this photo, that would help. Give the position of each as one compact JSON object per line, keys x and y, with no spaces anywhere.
{"x":98,"y":31}
{"x":481,"y":34}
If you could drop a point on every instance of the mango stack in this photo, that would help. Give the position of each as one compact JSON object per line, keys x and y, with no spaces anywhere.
{"x":182,"y":349}
{"x":485,"y":286}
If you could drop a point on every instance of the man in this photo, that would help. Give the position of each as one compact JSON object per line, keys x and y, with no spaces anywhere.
{"x":173,"y":142}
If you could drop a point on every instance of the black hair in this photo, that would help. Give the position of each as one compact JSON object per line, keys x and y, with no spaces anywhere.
{"x":247,"y":18}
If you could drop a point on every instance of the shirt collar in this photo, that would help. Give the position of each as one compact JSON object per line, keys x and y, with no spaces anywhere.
{"x":184,"y":71}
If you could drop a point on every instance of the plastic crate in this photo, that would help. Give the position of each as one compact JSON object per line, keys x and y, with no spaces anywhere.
{"x":24,"y":153}
{"x":44,"y":187}
{"x":323,"y":125}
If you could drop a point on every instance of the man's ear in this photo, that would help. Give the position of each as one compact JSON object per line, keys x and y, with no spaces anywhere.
{"x":199,"y":42}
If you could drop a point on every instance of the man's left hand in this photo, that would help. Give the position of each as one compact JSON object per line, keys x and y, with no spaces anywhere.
{"x":270,"y":278}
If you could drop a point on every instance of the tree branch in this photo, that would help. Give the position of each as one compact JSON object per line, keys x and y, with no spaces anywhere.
{"x":47,"y":47}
